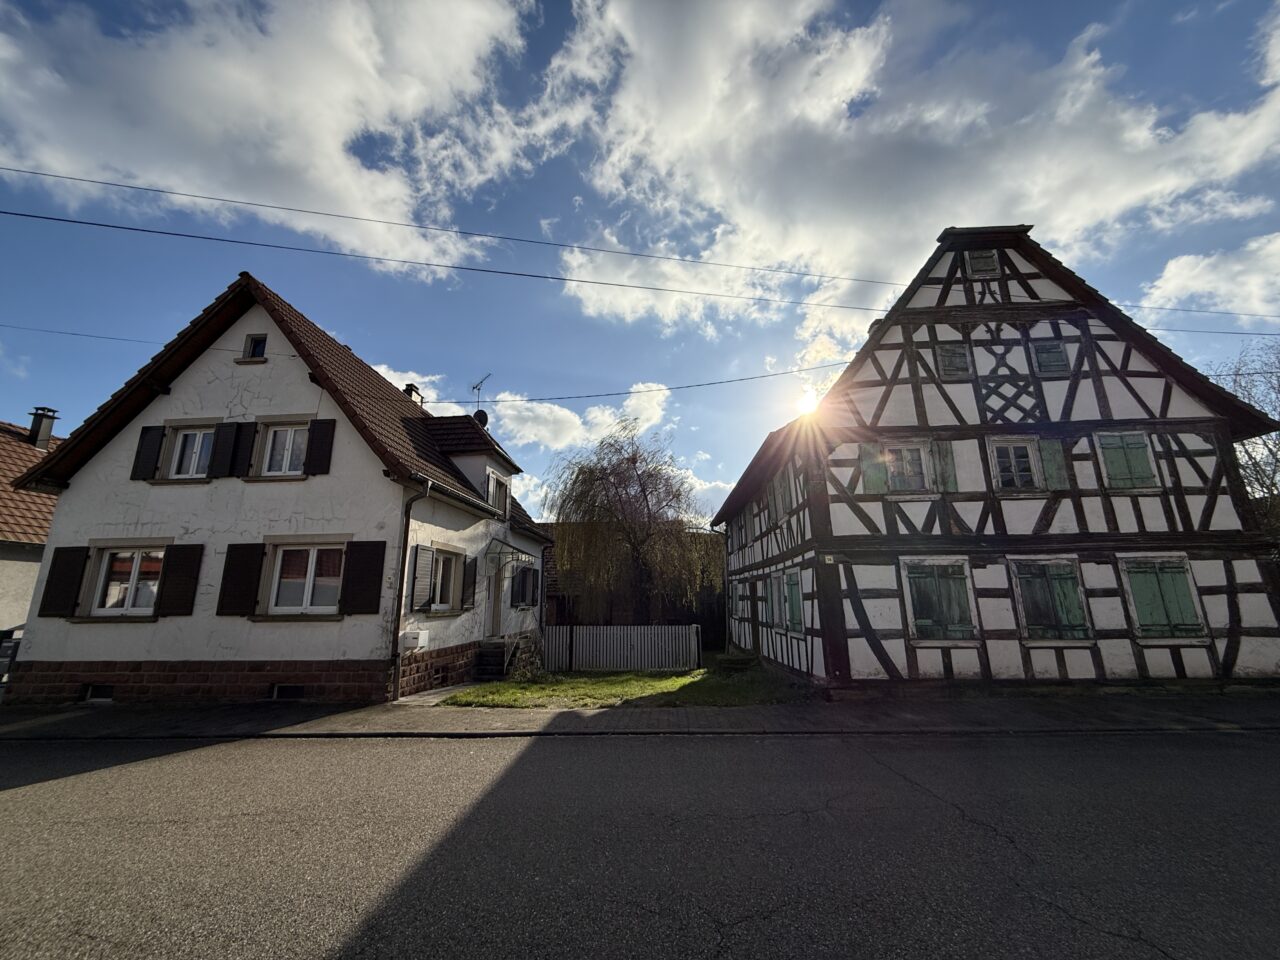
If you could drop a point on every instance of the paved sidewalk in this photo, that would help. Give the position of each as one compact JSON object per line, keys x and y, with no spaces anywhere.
{"x":1257,"y":710}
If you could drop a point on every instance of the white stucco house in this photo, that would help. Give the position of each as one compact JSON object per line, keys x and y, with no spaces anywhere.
{"x":258,"y":513}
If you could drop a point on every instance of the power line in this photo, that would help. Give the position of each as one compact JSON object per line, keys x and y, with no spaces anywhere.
{"x":435,"y":228}
{"x":103,"y":336}
{"x":544,"y":243}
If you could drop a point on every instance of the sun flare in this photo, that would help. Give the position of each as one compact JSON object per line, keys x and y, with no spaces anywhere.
{"x":808,"y":401}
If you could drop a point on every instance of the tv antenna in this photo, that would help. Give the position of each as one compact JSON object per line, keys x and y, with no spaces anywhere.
{"x":478,"y":386}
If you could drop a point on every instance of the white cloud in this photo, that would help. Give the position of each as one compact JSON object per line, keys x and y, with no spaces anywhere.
{"x":701,"y":455}
{"x":1244,"y":280}
{"x":265,"y":102}
{"x":708,"y":493}
{"x":532,"y":492}
{"x":14,"y":366}
{"x":554,"y":427}
{"x":427,"y":383}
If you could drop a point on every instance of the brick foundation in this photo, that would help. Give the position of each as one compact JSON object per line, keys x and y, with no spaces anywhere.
{"x":428,"y":669}
{"x":55,"y":681}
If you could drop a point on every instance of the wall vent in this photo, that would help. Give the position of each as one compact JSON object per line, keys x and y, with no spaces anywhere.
{"x":99,"y":692}
{"x":286,"y":691}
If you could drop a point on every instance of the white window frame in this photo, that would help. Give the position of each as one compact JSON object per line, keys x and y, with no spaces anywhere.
{"x":1035,"y":358}
{"x":1037,"y":468}
{"x":456,"y":560}
{"x":963,"y":347}
{"x":174,"y":472}
{"x":1131,"y":607}
{"x":271,"y":430}
{"x":926,"y":465}
{"x":307,"y":609}
{"x":102,"y":557}
{"x":973,"y":273}
{"x":934,"y":561}
{"x":493,"y":479}
{"x":1157,"y":485}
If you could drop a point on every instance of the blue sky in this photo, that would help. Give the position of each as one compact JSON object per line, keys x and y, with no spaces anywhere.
{"x":1140,"y":138}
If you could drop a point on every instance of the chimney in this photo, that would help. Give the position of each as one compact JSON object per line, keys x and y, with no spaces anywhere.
{"x":413,"y":393}
{"x":42,"y":426}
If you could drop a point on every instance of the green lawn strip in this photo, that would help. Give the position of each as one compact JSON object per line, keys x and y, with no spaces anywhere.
{"x":582,"y":690}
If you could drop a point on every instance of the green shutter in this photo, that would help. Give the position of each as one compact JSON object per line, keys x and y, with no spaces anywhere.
{"x":1112,"y":448}
{"x":955,"y":602}
{"x":767,"y":612}
{"x":1064,"y":586}
{"x":795,"y":614}
{"x":875,"y":475}
{"x":1180,"y":606}
{"x":1148,"y":602}
{"x":926,"y":604}
{"x":1037,"y":601}
{"x":1054,"y":464}
{"x":944,"y":464}
{"x":1138,"y":455}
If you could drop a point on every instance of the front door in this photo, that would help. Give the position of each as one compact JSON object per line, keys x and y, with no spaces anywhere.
{"x":495,"y":603}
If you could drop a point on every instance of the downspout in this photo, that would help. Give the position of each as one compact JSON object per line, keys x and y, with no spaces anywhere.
{"x":404,"y":563}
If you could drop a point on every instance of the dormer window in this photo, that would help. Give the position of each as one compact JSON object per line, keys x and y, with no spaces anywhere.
{"x":498,"y":494}
{"x":982,"y":264}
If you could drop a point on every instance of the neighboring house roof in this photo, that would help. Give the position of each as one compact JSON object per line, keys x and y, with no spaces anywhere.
{"x":1244,"y":420}
{"x":523,"y":523}
{"x":394,"y":426}
{"x":25,"y":515}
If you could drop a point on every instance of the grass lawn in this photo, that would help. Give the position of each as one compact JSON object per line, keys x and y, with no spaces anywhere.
{"x":708,"y":687}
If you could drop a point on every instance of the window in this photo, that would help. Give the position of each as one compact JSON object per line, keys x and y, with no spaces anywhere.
{"x":128,"y":580}
{"x":1161,"y":597}
{"x":777,"y":601}
{"x":981,"y":264}
{"x":1014,"y":463}
{"x":285,"y":451}
{"x":307,"y":580}
{"x":939,"y":601}
{"x":191,"y":450}
{"x":906,"y":468}
{"x":954,"y":361}
{"x":795,"y":612}
{"x":442,"y":581}
{"x":1126,"y":461}
{"x":1050,"y":358}
{"x":255,"y":346}
{"x":766,"y":601}
{"x":498,"y":493}
{"x":1052,"y":605}
{"x":524,"y":587}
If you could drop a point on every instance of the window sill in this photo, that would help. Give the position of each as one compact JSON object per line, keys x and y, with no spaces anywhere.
{"x":285,"y":478}
{"x":923,"y":495}
{"x":295,"y":617}
{"x":1057,"y":644}
{"x":148,"y":618}
{"x":1133,"y":491}
{"x":1173,"y":641}
{"x":178,"y":481}
{"x":244,"y":361}
{"x":940,"y":644}
{"x":1026,"y":493}
{"x":438,"y":614}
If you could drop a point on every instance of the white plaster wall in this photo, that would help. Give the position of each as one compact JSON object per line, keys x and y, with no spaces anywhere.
{"x":353,"y":501}
{"x":19,"y":569}
{"x":476,"y":466}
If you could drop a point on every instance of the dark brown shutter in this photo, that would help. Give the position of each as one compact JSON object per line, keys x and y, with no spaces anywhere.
{"x":62,"y":586}
{"x":535,"y":598}
{"x":179,"y":578}
{"x":469,"y":583}
{"x":362,"y":576}
{"x":146,"y":461}
{"x":241,"y":575}
{"x":224,"y":449}
{"x":242,"y":456}
{"x":319,"y":447}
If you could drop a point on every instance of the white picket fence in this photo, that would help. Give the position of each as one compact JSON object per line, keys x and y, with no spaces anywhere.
{"x":568,"y":649}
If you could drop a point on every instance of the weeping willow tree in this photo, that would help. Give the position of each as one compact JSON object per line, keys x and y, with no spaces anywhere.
{"x":624,"y":514}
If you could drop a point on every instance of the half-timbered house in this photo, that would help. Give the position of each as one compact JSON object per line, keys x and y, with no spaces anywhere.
{"x":1012,"y":480}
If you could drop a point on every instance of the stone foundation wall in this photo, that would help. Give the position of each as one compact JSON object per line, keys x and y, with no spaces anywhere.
{"x":428,"y":669}
{"x":55,"y":681}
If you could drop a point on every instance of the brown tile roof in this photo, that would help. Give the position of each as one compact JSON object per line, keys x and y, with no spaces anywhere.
{"x":398,"y":431}
{"x":25,"y":515}
{"x":462,"y":434}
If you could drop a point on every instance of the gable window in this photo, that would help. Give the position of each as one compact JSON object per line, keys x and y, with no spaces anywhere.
{"x":906,"y":466}
{"x":1052,"y":604}
{"x":307,"y":580}
{"x":191,"y":451}
{"x":128,"y":581}
{"x":982,"y":264}
{"x":1126,"y":461}
{"x":954,"y":361}
{"x":938,"y":593}
{"x":255,"y":347}
{"x":285,"y":451}
{"x":1050,"y":358}
{"x":1014,"y":463}
{"x":795,"y":612}
{"x":498,"y":493}
{"x":1162,"y":599}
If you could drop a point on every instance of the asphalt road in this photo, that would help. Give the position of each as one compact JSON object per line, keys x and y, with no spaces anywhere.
{"x":1086,"y":846}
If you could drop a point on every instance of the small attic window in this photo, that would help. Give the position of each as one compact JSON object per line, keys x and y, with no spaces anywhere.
{"x":255,"y":347}
{"x":982,"y":264}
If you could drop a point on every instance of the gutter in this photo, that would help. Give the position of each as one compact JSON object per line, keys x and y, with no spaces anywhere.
{"x":404,"y":563}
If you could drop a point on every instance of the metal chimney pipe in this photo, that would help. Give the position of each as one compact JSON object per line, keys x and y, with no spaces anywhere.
{"x":42,"y":427}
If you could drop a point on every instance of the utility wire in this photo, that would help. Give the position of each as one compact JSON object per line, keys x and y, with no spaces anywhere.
{"x":543,"y":243}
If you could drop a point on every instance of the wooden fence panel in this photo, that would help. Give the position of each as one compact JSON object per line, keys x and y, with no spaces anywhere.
{"x":599,"y":649}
